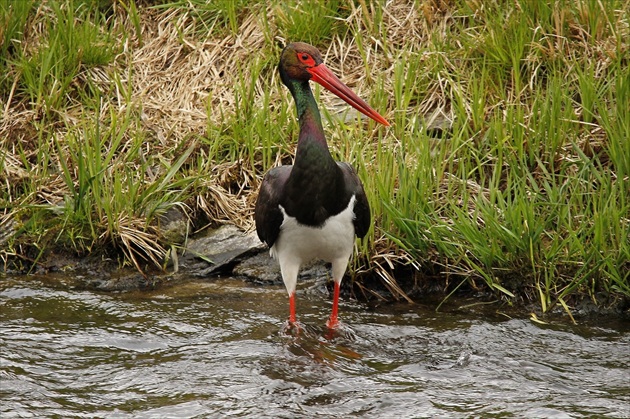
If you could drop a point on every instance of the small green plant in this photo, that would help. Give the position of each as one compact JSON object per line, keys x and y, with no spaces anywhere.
{"x":74,"y":40}
{"x":310,"y":21}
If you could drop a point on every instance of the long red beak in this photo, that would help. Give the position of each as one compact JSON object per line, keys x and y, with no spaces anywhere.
{"x":322,"y":75}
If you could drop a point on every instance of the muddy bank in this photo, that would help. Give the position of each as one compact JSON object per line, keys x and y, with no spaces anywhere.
{"x":229,"y":251}
{"x":211,"y":253}
{"x":224,"y":251}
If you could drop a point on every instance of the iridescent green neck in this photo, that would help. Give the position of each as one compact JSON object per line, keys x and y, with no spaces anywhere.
{"x":307,"y":111}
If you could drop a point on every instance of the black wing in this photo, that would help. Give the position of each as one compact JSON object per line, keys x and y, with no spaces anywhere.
{"x":362,"y":218}
{"x":267,"y":213}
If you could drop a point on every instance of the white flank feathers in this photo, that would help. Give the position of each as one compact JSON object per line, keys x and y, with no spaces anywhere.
{"x":298,"y":244}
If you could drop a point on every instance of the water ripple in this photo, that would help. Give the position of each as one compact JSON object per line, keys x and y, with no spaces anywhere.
{"x":220,"y":349}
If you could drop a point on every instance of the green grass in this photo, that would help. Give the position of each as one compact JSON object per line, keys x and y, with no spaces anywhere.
{"x":76,"y":40}
{"x":521,"y":189}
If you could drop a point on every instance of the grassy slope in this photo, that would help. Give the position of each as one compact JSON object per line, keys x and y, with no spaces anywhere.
{"x":507,"y":166}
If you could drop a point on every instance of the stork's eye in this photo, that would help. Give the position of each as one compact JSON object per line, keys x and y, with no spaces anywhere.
{"x":306,"y":58}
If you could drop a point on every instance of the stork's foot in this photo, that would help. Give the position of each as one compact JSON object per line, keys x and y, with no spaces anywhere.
{"x":334,"y":329}
{"x":292,"y":327}
{"x":332,"y":323}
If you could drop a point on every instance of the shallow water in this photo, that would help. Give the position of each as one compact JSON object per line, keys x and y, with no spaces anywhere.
{"x":218,"y":349}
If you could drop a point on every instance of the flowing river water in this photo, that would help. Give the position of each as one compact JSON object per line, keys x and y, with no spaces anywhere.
{"x":218,"y":349}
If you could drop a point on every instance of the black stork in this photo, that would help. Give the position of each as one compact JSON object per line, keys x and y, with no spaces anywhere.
{"x":314,"y":208}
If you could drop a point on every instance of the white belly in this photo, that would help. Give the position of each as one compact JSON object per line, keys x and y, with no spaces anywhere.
{"x":298,"y":244}
{"x":331,"y":242}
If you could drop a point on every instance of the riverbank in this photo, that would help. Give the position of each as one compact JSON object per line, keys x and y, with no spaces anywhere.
{"x":253,"y":268}
{"x":505,"y":171}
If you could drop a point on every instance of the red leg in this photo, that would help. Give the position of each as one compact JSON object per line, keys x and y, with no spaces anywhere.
{"x":333,"y":322}
{"x":292,"y":308}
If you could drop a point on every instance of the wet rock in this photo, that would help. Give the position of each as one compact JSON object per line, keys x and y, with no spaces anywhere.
{"x":259,"y":268}
{"x":121,"y":280}
{"x":262,"y":268}
{"x":217,"y":251}
{"x":174,"y":225}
